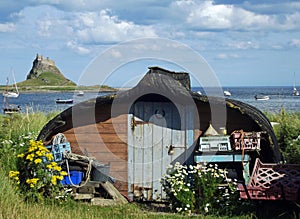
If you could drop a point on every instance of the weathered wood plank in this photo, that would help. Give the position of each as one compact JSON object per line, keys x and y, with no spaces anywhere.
{"x":83,"y":196}
{"x":114,"y":193}
{"x":97,"y":138}
{"x":99,"y":128}
{"x":103,"y":202}
{"x":112,"y":148}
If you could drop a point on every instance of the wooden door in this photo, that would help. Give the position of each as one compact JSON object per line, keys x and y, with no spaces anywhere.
{"x":153,"y":128}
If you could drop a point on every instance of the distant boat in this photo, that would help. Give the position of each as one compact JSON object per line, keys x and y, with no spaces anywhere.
{"x":64,"y":101}
{"x":227,"y":93}
{"x":295,"y":91}
{"x":80,"y":93}
{"x":261,"y":97}
{"x":199,"y":92}
{"x":11,"y":93}
{"x":11,"y":109}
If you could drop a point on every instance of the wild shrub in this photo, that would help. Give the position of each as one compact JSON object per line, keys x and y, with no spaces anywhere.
{"x":197,"y":189}
{"x":37,"y":176}
{"x":287,"y":132}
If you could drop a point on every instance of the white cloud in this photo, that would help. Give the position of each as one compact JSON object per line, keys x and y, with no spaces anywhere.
{"x":49,"y":25}
{"x":77,"y":48}
{"x":295,"y":43}
{"x":206,"y":15}
{"x":7,"y":27}
{"x":115,"y":53}
{"x":103,"y":27}
{"x":227,"y":56}
{"x":244,"y":45}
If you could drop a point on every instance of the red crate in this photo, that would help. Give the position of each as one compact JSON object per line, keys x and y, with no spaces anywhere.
{"x":273,"y":182}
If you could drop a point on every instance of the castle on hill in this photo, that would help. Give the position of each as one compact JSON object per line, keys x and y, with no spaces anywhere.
{"x":47,"y":61}
{"x":40,"y":65}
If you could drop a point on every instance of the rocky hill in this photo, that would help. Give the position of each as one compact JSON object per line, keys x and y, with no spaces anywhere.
{"x":45,"y":73}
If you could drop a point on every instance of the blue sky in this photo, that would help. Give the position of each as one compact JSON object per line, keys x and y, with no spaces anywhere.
{"x":246,"y":43}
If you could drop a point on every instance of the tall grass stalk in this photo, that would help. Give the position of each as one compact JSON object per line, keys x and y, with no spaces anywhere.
{"x":21,"y":124}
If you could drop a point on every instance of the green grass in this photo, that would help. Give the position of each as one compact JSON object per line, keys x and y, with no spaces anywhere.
{"x":16,"y":125}
{"x":47,"y":79}
{"x":12,"y":203}
{"x":13,"y":207}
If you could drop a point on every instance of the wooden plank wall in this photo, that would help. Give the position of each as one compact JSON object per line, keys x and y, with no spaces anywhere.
{"x":107,"y":142}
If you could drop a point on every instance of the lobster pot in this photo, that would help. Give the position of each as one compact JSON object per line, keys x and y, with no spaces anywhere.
{"x":241,"y":140}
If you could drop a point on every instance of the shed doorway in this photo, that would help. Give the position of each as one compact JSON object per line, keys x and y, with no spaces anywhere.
{"x":159,"y":133}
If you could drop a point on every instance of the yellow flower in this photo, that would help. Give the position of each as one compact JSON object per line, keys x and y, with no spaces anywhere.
{"x":13,"y":174}
{"x":63,"y":173}
{"x":43,"y":148}
{"x":60,"y":177}
{"x":49,"y":166}
{"x":49,"y":156}
{"x":32,"y":181}
{"x":37,"y":161}
{"x":38,"y":153}
{"x":57,"y":168}
{"x":54,"y":180}
{"x":30,"y":157}
{"x":36,"y":145}
{"x":21,"y":155}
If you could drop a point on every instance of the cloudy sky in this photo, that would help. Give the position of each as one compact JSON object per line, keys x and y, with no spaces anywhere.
{"x":246,"y":43}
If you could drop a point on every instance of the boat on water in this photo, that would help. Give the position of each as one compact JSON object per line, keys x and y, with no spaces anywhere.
{"x":7,"y":107}
{"x":10,"y":93}
{"x":227,"y":93}
{"x":261,"y":97}
{"x":64,"y":101}
{"x":80,"y":93}
{"x":11,"y":109}
{"x":295,"y":91}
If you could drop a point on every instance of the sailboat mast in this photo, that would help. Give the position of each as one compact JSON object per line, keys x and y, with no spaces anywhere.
{"x":6,"y":84}
{"x":295,"y":91}
{"x":15,"y":82}
{"x":4,"y":96}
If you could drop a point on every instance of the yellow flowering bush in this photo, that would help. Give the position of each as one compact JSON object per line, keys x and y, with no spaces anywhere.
{"x":37,"y":175}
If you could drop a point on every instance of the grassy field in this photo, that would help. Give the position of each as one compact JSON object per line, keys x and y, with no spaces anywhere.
{"x":12,"y":203}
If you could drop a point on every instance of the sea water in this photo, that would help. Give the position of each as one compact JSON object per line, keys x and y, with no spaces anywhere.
{"x":280,"y":97}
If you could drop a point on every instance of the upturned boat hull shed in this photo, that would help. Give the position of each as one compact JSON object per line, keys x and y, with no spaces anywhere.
{"x":139,"y":132}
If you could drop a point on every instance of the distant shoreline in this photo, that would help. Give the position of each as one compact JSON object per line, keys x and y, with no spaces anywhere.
{"x":54,"y":89}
